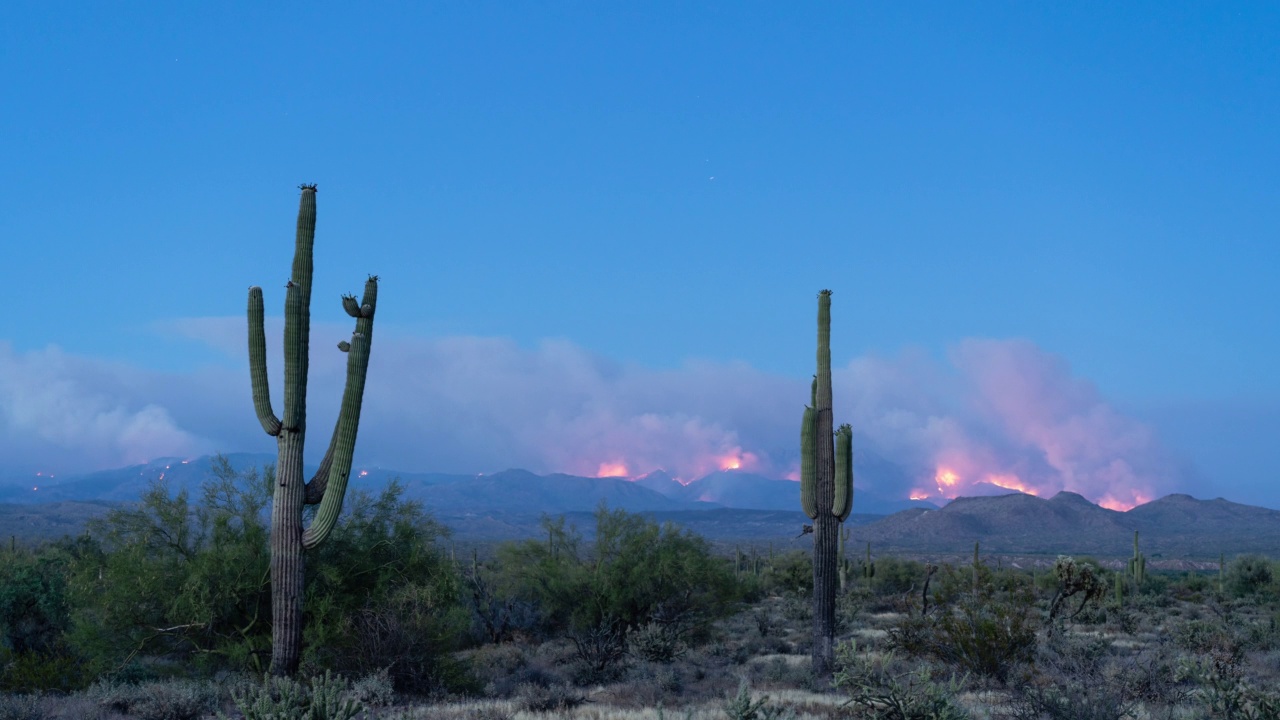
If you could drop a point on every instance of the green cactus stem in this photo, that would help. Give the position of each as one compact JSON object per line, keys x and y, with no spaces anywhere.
{"x":809,"y":462}
{"x":976,"y":565}
{"x":327,"y":487}
{"x":1222,"y":565}
{"x":843,"y":503}
{"x":1137,"y":565}
{"x":826,"y":493}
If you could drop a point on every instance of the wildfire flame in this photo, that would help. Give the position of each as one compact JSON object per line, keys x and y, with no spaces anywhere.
{"x":1011,"y":482}
{"x":737,"y":459}
{"x":1111,"y":502}
{"x":952,"y":484}
{"x":616,"y":468}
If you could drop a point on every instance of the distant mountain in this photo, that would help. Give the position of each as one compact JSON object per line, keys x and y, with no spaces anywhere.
{"x":725,"y":506}
{"x":746,"y":491}
{"x":1173,"y":526}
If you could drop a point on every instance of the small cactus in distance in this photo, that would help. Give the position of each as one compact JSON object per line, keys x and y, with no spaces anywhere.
{"x":976,"y":565}
{"x":1137,"y":565}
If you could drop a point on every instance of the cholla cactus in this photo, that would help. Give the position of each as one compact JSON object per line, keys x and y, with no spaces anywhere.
{"x":1074,"y":579}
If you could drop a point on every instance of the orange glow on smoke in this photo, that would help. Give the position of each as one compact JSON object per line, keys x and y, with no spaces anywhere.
{"x":736,"y":460}
{"x":952,"y":484}
{"x":1011,"y":482}
{"x":1111,"y":502}
{"x":612,"y":469}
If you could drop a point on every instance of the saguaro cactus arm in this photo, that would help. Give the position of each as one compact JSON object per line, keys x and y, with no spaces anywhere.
{"x":258,"y":364}
{"x":344,"y":442}
{"x":809,"y":463}
{"x":843,"y":503}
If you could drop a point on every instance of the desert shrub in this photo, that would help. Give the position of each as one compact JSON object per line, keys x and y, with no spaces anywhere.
{"x":790,"y":573}
{"x":57,"y":669}
{"x":186,"y":582}
{"x":325,"y":697}
{"x":382,"y":594}
{"x":1247,"y":575}
{"x":156,"y":699}
{"x":600,"y":652}
{"x":1202,"y":636}
{"x":1223,"y":689}
{"x":656,"y":643}
{"x":881,"y":689}
{"x":781,"y":672}
{"x":741,"y":707}
{"x":986,"y":636}
{"x":1072,"y":680}
{"x":638,"y":573}
{"x":895,"y":576}
{"x":20,"y":707}
{"x":548,"y":698}
{"x":374,"y":690}
{"x":33,"y":596}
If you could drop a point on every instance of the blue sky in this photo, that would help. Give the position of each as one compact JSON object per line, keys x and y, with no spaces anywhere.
{"x":620,"y":217}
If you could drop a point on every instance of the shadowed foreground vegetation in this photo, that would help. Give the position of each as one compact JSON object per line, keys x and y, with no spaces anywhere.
{"x":162,"y":612}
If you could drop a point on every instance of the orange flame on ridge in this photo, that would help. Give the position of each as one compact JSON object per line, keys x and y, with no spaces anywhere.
{"x":616,"y":468}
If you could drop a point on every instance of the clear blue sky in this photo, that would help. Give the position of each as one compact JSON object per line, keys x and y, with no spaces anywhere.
{"x":666,"y":184}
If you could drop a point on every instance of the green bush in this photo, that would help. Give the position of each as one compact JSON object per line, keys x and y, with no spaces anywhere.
{"x":1247,"y":575}
{"x":174,"y":580}
{"x":382,"y":594}
{"x":789,"y":574}
{"x":988,"y":635}
{"x":895,"y":576}
{"x":190,"y":584}
{"x":638,"y":573}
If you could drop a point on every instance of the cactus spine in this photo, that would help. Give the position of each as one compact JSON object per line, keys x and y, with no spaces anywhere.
{"x":328,"y":486}
{"x":826,"y":459}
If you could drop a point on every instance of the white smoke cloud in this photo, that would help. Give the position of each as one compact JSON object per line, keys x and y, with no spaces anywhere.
{"x":80,"y":414}
{"x":470,"y":404}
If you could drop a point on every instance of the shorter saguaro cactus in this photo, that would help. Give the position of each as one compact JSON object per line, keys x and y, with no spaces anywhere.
{"x":1222,"y":564}
{"x":844,"y":563}
{"x":1137,"y":565}
{"x":976,"y":565}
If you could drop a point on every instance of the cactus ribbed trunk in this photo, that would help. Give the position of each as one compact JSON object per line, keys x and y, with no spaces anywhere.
{"x":818,"y":496}
{"x":327,"y":488}
{"x":287,"y":569}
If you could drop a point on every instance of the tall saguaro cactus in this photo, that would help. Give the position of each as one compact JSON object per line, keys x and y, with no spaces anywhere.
{"x":826,"y":493}
{"x":329,"y":485}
